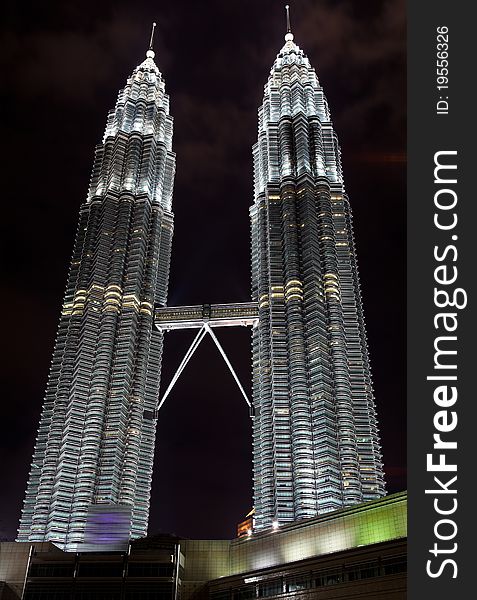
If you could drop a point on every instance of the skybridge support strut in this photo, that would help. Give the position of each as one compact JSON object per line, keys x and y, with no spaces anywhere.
{"x":205,"y":328}
{"x":193,"y":347}
{"x":228,"y":363}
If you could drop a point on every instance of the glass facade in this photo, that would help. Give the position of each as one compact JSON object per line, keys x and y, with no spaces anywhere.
{"x":316,"y":442}
{"x":95,"y":442}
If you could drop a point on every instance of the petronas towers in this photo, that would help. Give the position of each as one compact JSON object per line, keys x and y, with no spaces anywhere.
{"x":315,"y":438}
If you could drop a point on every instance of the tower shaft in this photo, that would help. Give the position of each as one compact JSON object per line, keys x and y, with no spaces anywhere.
{"x":316,"y":443}
{"x":95,"y":444}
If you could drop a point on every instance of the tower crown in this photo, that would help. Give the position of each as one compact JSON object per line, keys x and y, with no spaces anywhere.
{"x":136,"y":152}
{"x":148,"y":66}
{"x":148,"y":71}
{"x":290,"y":53}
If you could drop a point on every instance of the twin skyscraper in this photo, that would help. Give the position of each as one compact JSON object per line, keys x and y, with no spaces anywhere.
{"x":316,"y":446}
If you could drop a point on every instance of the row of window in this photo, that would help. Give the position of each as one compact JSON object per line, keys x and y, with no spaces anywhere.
{"x":105,"y":569}
{"x":309,"y":580}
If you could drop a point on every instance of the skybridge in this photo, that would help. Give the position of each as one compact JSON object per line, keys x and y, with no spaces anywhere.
{"x":216,"y":315}
{"x":205,"y":318}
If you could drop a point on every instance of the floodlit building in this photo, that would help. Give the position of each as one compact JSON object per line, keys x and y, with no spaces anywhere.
{"x":353,"y":553}
{"x":91,"y":472}
{"x":316,"y":446}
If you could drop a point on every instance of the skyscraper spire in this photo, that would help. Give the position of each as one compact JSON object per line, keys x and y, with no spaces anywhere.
{"x":152,"y":36}
{"x":289,"y":34}
{"x":150,"y":52}
{"x":287,"y":8}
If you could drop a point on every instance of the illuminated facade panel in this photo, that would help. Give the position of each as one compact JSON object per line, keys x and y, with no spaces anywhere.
{"x":316,"y":443}
{"x":95,"y":443}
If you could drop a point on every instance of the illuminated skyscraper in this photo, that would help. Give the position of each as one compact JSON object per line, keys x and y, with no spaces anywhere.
{"x":316,"y":445}
{"x":94,"y":451}
{"x":315,"y":439}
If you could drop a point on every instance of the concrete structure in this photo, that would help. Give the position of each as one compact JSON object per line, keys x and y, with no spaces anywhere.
{"x":357,"y":550}
{"x":376,"y":572}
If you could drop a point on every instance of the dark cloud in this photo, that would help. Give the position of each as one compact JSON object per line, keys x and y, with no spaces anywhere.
{"x":72,"y":64}
{"x":212,"y":141}
{"x":364,"y":56}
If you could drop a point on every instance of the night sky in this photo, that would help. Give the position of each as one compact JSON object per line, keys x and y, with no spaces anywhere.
{"x":62,"y":65}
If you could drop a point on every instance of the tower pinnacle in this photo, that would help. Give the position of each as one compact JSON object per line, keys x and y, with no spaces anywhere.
{"x":150,"y":53}
{"x":289,"y":34}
